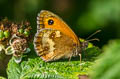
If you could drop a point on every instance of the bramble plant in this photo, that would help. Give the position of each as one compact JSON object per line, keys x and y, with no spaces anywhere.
{"x":33,"y":67}
{"x":108,"y":65}
{"x":13,"y":39}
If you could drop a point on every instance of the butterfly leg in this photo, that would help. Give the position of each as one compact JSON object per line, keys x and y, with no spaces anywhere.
{"x":80,"y":60}
{"x":70,"y":57}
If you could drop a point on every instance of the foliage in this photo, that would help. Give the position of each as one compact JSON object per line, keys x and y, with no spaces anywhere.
{"x":2,"y":77}
{"x":98,"y":16}
{"x":2,"y":55}
{"x":35,"y":68}
{"x":108,"y":66}
{"x":83,"y":16}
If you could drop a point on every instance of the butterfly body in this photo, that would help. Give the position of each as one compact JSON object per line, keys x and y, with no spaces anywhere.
{"x":54,"y":38}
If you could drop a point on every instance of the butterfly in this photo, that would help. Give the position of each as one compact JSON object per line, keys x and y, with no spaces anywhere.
{"x":54,"y":38}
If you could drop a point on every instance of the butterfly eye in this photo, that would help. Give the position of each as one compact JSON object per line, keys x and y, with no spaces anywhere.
{"x":50,"y":22}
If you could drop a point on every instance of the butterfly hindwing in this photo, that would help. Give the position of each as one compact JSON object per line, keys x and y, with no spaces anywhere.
{"x":54,"y":39}
{"x":54,"y":45}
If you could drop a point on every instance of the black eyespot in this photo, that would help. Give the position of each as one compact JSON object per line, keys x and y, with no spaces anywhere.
{"x":50,"y":22}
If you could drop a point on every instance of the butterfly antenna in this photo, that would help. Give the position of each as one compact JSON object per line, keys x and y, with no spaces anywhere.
{"x":95,"y":39}
{"x":93,"y":35}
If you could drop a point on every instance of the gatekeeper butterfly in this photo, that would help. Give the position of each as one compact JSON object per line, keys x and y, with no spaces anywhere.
{"x":54,"y":38}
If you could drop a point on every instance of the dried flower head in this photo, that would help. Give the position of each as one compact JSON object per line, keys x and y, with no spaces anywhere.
{"x":15,"y":37}
{"x":19,"y":44}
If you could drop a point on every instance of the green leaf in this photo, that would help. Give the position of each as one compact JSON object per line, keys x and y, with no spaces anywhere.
{"x":2,"y":77}
{"x":13,"y":70}
{"x":33,"y":67}
{"x":108,"y":66}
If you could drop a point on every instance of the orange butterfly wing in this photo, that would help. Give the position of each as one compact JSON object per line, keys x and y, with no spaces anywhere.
{"x":54,"y":39}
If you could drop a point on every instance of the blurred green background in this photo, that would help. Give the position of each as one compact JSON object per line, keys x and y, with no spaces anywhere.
{"x":83,"y":16}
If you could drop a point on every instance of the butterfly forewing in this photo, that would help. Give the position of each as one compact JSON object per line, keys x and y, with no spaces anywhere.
{"x":54,"y":39}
